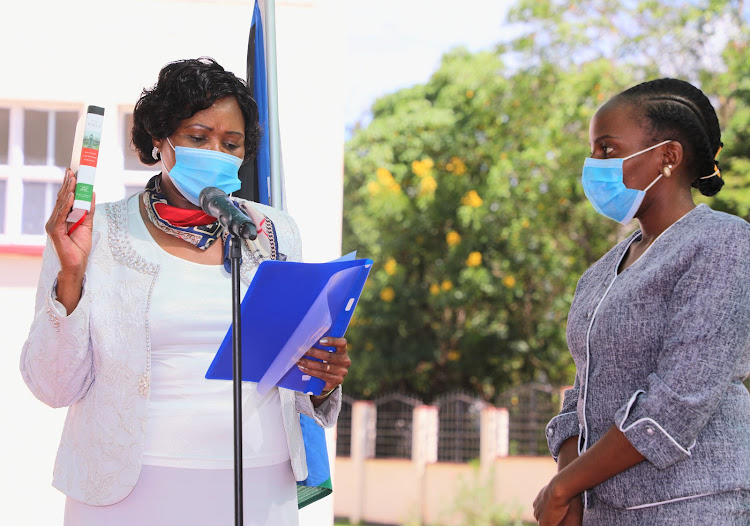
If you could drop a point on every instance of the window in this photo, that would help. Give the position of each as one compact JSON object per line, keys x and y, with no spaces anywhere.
{"x":38,"y":200}
{"x":48,"y":137}
{"x":4,"y":135}
{"x":131,"y":159}
{"x":2,"y":206}
{"x":36,"y":144}
{"x":136,"y":174}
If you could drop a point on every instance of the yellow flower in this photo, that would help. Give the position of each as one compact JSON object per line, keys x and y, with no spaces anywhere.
{"x":390,"y":266}
{"x":509,"y":281}
{"x":427,"y":185}
{"x":434,"y":289}
{"x":474,"y":259}
{"x":446,"y":285}
{"x":453,"y":238}
{"x":469,"y":93}
{"x":525,"y":223}
{"x":472,"y":199}
{"x":385,"y":181}
{"x":456,"y":165}
{"x":384,"y":176}
{"x":453,"y":356}
{"x":423,"y":167}
{"x":503,"y":156}
{"x":387,"y":294}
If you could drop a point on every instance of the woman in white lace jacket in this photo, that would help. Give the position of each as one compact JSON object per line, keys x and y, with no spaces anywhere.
{"x":131,"y":307}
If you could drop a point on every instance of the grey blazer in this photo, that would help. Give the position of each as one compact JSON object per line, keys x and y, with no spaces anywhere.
{"x":661,"y":351}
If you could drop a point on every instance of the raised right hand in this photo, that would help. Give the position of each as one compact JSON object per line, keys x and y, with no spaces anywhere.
{"x":72,"y":250}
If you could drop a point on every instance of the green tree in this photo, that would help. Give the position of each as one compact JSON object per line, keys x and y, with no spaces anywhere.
{"x":465,"y":191}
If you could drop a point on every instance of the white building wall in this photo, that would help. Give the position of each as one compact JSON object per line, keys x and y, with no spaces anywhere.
{"x":71,"y":53}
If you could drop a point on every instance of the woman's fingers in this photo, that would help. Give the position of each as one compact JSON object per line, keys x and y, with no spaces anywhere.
{"x":332,"y":367}
{"x":72,"y":247}
{"x":56,"y":222}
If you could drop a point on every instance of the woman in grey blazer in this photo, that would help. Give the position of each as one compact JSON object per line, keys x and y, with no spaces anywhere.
{"x":656,"y":429}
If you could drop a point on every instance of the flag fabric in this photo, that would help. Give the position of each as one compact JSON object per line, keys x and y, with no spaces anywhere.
{"x":256,"y":186}
{"x":318,"y":482}
{"x":256,"y":175}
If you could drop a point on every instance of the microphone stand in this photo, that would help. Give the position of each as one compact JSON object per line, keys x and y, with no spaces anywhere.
{"x":235,"y":253}
{"x":216,"y":203}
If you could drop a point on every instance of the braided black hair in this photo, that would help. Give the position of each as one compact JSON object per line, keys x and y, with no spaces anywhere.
{"x":184,"y":88}
{"x":677,"y":110}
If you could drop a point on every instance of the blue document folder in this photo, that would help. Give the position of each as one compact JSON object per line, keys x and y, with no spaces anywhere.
{"x":288,"y":307}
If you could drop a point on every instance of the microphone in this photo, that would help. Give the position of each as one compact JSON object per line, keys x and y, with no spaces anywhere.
{"x":216,"y":203}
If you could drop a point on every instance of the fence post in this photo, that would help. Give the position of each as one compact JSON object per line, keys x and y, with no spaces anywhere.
{"x":362,"y":448}
{"x":489,"y":427}
{"x":424,"y":444}
{"x":503,"y":432}
{"x":424,"y":448}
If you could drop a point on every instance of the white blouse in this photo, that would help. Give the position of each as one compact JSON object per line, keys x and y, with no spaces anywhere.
{"x":190,"y":419}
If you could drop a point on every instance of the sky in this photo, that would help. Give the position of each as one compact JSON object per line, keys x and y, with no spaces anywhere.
{"x":399,"y":43}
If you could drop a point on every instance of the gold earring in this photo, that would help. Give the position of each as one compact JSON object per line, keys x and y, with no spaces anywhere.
{"x":667,"y":170}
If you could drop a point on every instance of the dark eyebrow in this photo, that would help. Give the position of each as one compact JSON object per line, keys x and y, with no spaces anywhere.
{"x":208,"y":128}
{"x":606,"y":136}
{"x":601,"y":137}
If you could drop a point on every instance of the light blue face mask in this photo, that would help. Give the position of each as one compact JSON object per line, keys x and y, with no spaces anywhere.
{"x":604,"y":187}
{"x":196,"y":169}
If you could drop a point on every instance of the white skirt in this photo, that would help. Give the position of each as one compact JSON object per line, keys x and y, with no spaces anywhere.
{"x":182,"y":497}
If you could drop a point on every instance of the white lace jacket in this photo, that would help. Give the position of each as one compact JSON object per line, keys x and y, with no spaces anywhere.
{"x":97,"y":360}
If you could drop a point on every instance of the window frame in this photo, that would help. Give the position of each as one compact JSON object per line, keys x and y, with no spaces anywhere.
{"x":15,"y":173}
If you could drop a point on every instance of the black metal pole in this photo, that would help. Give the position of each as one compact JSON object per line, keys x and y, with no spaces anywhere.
{"x":235,"y":253}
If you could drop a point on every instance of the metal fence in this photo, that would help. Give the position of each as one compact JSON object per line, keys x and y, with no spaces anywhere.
{"x":395,"y":413}
{"x":459,"y":417}
{"x":344,"y":427}
{"x":530,"y":407}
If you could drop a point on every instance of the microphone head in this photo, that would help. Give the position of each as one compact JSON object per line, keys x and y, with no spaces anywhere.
{"x":216,"y":203}
{"x":209,"y":193}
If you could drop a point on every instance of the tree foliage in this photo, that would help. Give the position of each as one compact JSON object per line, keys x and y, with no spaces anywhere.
{"x":465,"y":191}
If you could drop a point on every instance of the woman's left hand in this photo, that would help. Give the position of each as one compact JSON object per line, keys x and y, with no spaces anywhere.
{"x":550,"y":508}
{"x":332,"y":369}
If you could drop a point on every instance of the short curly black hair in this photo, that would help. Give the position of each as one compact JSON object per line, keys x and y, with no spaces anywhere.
{"x":184,"y":88}
{"x":677,"y":110}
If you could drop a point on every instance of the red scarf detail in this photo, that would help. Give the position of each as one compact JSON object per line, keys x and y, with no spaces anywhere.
{"x":183,"y":217}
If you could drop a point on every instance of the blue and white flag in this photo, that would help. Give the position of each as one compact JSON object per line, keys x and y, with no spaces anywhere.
{"x":256,"y":175}
{"x":256,"y":185}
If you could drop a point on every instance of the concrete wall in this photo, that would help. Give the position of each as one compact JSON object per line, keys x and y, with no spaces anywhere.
{"x":394,"y":492}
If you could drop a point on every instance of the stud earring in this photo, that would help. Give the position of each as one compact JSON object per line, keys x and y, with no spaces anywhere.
{"x":667,"y":170}
{"x":155,"y":153}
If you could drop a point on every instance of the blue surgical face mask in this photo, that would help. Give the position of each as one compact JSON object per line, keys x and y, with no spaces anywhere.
{"x":604,"y":187}
{"x":196,"y":169}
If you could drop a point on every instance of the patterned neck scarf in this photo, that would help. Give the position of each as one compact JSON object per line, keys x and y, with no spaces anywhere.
{"x":202,"y":230}
{"x":193,"y":226}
